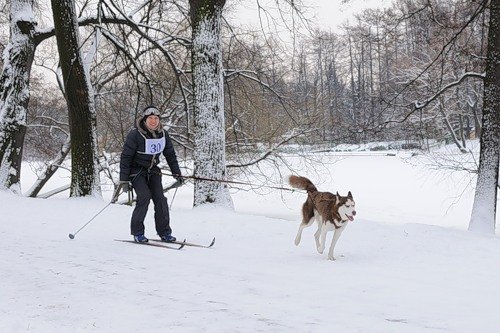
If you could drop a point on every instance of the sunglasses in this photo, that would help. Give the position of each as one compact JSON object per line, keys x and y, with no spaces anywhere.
{"x":151,"y":111}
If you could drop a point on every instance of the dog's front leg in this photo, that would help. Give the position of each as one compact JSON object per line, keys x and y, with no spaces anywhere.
{"x":335,"y":238}
{"x":316,"y":236}
{"x":321,"y":244}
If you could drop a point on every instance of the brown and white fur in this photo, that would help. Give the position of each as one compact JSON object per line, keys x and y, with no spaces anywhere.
{"x":331,"y":212}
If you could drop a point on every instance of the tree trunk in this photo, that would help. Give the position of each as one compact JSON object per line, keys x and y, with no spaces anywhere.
{"x":79,"y":98}
{"x":449,"y":127}
{"x":14,"y":93}
{"x":209,"y":127}
{"x":485,"y":198}
{"x":49,"y":171}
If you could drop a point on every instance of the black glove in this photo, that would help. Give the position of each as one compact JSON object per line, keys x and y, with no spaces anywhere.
{"x":179,"y":179}
{"x":125,"y":185}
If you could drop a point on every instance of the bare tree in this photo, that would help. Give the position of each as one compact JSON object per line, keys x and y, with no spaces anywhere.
{"x":80,"y":101}
{"x":14,"y":93}
{"x":485,"y":199}
{"x":208,"y":93}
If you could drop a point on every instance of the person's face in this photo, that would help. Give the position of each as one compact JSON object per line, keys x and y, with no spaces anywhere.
{"x":152,"y":122}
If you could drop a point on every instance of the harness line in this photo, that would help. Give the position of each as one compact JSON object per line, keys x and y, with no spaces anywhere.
{"x":233,"y":182}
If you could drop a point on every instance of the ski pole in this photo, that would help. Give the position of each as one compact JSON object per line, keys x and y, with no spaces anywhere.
{"x":115,"y":195}
{"x":173,"y":197}
{"x":71,"y":236}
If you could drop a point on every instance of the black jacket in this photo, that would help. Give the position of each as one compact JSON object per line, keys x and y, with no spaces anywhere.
{"x":135,"y":159}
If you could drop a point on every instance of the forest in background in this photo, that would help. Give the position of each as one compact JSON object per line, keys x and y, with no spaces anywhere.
{"x":415,"y":73}
{"x":373,"y":80}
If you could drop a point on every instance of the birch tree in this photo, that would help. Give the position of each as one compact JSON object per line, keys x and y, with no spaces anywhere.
{"x":485,"y":197}
{"x":208,"y":93}
{"x":79,"y":98}
{"x":14,"y":93}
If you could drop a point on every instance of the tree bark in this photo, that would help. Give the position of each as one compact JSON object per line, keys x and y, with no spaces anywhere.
{"x":485,"y":198}
{"x":79,"y":98}
{"x":208,"y":88}
{"x":14,"y":93}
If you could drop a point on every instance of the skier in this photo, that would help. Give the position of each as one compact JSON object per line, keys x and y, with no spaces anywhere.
{"x":138,"y":169}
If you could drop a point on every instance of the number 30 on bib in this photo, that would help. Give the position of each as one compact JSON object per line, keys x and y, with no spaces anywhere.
{"x":155,"y":146}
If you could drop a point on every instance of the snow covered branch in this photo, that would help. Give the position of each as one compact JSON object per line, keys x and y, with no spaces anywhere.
{"x":416,"y":106}
{"x":287,"y":138}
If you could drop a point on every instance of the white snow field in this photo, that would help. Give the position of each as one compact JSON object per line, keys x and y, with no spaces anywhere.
{"x":406,"y":264}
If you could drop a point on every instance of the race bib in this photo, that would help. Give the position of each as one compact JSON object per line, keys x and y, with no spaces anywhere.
{"x":155,"y":146}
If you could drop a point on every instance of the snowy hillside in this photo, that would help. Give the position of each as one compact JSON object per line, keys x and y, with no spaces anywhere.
{"x":406,"y":264}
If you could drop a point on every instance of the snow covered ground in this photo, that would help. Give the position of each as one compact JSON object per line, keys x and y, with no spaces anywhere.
{"x":406,"y":264}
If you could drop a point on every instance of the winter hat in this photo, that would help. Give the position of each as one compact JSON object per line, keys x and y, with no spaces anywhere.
{"x":150,"y":110}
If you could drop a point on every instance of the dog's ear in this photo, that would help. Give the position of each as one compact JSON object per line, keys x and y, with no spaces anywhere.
{"x":338,"y":195}
{"x":349,"y":195}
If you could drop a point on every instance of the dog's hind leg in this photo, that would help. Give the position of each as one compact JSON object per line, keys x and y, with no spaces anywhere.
{"x":307,"y":220}
{"x":335,"y":238}
{"x":302,"y":226}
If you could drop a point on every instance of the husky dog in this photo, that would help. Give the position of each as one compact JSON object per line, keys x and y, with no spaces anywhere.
{"x":331,"y":212}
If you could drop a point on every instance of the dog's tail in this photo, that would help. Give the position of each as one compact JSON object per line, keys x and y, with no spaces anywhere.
{"x":302,"y":183}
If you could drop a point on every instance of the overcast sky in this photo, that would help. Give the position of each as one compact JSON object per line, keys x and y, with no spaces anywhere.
{"x":327,"y":13}
{"x":331,"y":13}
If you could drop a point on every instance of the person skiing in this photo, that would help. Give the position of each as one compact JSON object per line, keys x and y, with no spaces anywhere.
{"x":139,"y":169}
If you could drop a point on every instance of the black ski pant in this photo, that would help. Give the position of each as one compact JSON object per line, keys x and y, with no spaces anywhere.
{"x":148,"y":186}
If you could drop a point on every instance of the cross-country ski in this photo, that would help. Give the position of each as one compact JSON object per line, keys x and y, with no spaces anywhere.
{"x":187,"y":243}
{"x":163,"y":244}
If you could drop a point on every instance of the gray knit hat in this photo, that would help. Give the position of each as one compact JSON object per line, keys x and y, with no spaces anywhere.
{"x":150,"y":110}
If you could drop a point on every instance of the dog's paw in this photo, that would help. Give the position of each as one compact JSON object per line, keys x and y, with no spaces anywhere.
{"x":331,"y":258}
{"x":321,"y":249}
{"x":297,"y":241}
